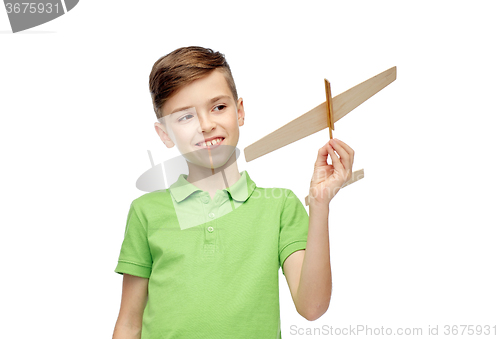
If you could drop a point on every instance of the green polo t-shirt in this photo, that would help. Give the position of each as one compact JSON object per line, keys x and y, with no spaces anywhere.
{"x":212,"y":264}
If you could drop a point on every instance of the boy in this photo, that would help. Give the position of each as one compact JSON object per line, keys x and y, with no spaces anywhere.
{"x":201,"y":259}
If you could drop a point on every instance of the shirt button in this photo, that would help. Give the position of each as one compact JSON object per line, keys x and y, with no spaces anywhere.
{"x":211,"y":215}
{"x":210,"y":229}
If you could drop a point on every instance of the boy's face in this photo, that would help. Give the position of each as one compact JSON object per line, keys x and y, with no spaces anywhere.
{"x":198,"y":112}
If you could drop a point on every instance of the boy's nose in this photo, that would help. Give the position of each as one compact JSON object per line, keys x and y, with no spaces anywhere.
{"x":206,"y":124}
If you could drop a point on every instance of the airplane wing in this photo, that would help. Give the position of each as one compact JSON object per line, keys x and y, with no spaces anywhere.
{"x":317,"y":119}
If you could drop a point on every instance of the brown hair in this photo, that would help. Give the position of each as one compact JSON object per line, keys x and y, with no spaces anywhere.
{"x":181,"y":67}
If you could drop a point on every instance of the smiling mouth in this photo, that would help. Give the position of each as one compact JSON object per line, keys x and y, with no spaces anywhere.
{"x":211,"y":144}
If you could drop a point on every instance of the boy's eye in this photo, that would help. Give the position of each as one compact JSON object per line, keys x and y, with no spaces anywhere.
{"x":219,"y":107}
{"x":188,"y":115}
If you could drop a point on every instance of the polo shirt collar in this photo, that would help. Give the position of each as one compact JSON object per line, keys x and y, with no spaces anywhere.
{"x":240,"y":190}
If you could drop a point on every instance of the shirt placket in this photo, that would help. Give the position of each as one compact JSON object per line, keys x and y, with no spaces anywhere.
{"x":209,"y":243}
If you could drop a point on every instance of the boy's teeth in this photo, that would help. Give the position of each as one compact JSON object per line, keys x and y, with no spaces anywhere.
{"x":211,"y":142}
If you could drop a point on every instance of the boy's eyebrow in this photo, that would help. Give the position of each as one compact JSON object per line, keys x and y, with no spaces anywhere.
{"x":208,"y":102}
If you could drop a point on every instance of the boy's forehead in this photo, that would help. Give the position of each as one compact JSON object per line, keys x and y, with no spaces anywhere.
{"x":192,"y":108}
{"x":201,"y":92}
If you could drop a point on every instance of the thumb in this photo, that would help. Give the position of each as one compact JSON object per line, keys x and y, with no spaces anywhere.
{"x":321,"y":160}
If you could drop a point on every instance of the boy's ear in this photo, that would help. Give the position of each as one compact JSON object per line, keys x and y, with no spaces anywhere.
{"x":241,"y":112}
{"x":162,"y":133}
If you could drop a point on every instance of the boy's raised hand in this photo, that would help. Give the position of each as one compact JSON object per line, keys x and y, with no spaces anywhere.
{"x":328,"y":179}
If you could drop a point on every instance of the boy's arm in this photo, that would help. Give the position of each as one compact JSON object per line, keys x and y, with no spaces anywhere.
{"x":134,"y":299}
{"x":308,"y":272}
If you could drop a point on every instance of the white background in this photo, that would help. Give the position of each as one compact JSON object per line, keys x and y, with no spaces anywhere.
{"x":415,"y":243}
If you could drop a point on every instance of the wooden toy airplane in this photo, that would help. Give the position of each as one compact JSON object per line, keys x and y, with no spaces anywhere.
{"x":321,"y":116}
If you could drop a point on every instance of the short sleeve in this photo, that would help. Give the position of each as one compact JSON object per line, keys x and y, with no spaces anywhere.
{"x":135,"y":255}
{"x":294,"y":225}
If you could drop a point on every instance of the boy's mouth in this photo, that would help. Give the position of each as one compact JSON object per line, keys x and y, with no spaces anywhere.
{"x":210,"y":144}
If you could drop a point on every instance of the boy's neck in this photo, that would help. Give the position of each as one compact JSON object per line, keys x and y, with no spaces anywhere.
{"x":224,"y":176}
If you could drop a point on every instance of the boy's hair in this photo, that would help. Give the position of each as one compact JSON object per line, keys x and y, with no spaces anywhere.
{"x":181,"y":67}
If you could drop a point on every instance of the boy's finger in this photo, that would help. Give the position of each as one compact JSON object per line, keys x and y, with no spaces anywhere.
{"x":346,"y":147}
{"x":322,"y":156}
{"x":335,"y":159}
{"x":345,"y":157}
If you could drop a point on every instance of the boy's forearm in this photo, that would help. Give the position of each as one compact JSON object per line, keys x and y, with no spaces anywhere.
{"x":315,"y":286}
{"x":126,"y":332}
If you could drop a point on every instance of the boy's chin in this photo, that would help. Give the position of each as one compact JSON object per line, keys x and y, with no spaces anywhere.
{"x":211,"y":158}
{"x":206,"y":156}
